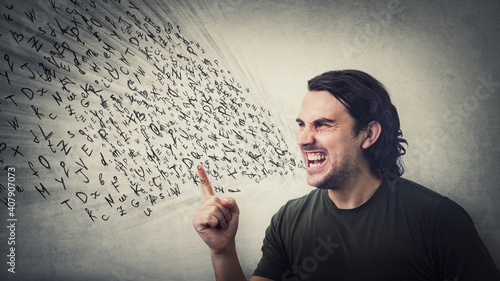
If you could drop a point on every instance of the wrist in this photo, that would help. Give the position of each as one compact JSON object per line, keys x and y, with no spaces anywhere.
{"x":229,"y":251}
{"x":226,"y":265}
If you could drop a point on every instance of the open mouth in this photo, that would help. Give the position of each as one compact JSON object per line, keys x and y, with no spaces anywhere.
{"x":315,"y":159}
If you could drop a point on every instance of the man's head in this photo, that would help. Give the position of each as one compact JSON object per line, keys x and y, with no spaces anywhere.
{"x":342,"y":102}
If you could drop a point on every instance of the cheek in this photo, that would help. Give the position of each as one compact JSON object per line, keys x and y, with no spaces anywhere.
{"x":330,"y":144}
{"x":340,"y":152}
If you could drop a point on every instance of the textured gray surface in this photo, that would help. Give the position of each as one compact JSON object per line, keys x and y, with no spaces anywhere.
{"x":439,"y":62}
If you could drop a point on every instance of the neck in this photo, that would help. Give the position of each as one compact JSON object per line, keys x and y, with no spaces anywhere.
{"x":356,"y":191}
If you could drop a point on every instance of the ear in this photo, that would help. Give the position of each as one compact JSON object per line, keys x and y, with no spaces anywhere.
{"x":372,"y":132}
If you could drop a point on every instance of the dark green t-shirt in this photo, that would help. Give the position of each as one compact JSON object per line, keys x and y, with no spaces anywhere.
{"x":403,"y":232}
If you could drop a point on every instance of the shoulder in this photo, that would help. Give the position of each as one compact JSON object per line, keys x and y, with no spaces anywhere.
{"x":412,"y":188}
{"x":422,"y":202}
{"x":413,"y":193}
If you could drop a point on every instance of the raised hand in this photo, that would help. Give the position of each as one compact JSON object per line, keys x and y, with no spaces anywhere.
{"x":216,"y":220}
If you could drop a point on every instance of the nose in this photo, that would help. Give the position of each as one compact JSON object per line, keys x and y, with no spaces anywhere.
{"x":305,"y":137}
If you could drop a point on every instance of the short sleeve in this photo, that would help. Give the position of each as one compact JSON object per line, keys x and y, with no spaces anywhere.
{"x":273,"y":262}
{"x":461,"y":254}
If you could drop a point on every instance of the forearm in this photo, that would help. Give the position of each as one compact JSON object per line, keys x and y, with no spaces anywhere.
{"x":227,"y":266}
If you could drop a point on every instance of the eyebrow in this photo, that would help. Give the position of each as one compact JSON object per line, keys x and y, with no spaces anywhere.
{"x":318,"y":121}
{"x":322,"y":120}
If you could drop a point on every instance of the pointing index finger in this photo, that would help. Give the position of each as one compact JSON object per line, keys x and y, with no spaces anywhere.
{"x":204,"y":182}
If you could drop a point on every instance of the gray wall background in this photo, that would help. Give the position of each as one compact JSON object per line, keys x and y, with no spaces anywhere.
{"x":438,"y":59}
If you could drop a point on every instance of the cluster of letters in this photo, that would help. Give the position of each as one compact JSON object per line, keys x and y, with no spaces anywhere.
{"x":109,"y":110}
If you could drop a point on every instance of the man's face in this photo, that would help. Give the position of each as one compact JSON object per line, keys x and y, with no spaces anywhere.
{"x":331,"y":151}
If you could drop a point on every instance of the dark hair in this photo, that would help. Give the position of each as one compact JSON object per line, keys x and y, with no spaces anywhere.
{"x":367,"y":100}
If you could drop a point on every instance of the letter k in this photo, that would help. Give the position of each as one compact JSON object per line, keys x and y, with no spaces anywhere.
{"x":489,"y":84}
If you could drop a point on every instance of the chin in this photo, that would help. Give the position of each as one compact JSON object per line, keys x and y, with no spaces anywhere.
{"x":318,"y":183}
{"x":326,"y":182}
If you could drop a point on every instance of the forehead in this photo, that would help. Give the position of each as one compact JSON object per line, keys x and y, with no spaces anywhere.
{"x":322,"y":104}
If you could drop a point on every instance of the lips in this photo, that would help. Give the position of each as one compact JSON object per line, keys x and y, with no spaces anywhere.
{"x":315,"y":159}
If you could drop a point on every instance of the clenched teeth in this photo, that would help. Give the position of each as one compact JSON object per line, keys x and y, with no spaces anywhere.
{"x":314,"y":157}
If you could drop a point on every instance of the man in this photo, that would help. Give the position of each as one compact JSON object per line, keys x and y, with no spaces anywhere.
{"x":363,"y":222}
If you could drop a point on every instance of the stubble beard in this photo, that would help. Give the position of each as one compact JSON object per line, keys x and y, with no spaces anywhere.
{"x":334,"y":180}
{"x":338,"y":178}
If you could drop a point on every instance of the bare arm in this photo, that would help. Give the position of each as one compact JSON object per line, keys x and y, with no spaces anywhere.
{"x":227,"y":267}
{"x":216,"y":221}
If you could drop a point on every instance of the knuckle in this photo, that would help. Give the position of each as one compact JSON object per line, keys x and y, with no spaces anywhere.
{"x":212,"y":220}
{"x":213,"y":209}
{"x":212,"y":199}
{"x":200,"y":207}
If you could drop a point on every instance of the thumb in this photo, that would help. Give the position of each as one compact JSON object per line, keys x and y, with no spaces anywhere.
{"x":230,"y":203}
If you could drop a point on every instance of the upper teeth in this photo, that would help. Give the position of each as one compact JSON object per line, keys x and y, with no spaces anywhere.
{"x":315,"y":157}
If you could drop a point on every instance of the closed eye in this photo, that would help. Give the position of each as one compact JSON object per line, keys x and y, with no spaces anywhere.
{"x":300,"y":123}
{"x":322,"y":125}
{"x":317,"y":124}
